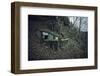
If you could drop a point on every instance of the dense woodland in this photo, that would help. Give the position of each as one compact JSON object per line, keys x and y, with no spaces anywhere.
{"x":71,"y":37}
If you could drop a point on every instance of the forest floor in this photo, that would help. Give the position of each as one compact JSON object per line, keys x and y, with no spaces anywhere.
{"x":41,"y":52}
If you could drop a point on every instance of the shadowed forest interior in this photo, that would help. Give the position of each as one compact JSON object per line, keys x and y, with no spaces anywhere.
{"x":57,"y":37}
